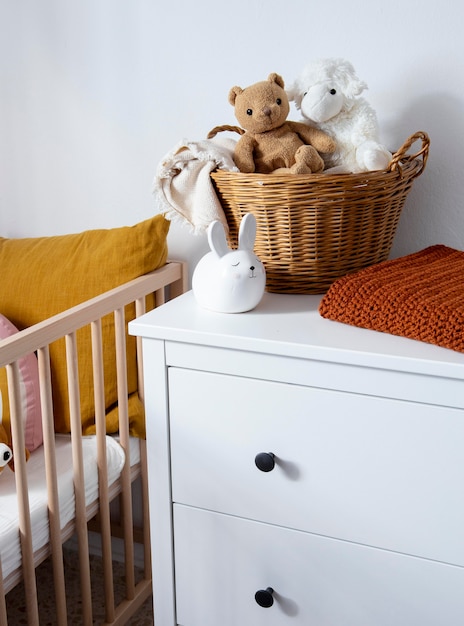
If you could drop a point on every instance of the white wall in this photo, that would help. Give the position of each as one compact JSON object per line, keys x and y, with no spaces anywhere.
{"x":94,"y":92}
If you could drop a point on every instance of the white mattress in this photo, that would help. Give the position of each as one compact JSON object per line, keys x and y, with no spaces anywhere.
{"x":10,"y":552}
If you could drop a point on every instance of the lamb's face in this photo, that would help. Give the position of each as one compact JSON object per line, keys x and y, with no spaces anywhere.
{"x":322,"y":102}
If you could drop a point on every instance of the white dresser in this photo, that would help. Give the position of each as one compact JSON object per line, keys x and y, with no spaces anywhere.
{"x":355,"y":515}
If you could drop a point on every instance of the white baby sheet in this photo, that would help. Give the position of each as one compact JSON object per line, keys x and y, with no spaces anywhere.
{"x":10,"y":551}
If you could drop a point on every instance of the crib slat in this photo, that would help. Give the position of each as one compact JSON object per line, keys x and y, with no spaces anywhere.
{"x":3,"y":614}
{"x":33,"y":339}
{"x":25,"y":527}
{"x":78,"y":476}
{"x":126,"y":491}
{"x":160,"y":297}
{"x":140,"y":308}
{"x":104,"y":509}
{"x":181,"y":285}
{"x":43,"y":357}
{"x":61,"y":324}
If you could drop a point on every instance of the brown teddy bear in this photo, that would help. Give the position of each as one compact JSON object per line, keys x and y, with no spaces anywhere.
{"x":270,"y":143}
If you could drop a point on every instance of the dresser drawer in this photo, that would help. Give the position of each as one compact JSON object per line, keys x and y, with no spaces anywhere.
{"x":222,"y":561}
{"x":370,"y":470}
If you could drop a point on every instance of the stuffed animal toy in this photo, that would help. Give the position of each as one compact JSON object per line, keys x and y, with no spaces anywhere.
{"x":327,"y":94}
{"x":6,"y":452}
{"x":269,"y":143}
{"x":230,"y":281}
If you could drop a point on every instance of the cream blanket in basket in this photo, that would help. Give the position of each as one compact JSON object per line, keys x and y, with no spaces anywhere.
{"x":182,"y":186}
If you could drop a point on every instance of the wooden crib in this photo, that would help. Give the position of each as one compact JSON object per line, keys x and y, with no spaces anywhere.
{"x":91,"y":506}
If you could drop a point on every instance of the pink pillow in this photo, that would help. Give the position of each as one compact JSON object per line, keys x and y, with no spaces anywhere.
{"x":30,"y":396}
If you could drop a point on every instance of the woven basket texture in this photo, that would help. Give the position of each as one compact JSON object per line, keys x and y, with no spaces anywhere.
{"x":313,"y":229}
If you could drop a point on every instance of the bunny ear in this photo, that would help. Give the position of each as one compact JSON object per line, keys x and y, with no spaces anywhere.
{"x":217,"y":238}
{"x":247,"y":232}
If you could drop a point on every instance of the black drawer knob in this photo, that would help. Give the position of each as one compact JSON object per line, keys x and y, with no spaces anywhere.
{"x":264,"y":597}
{"x":264,"y":461}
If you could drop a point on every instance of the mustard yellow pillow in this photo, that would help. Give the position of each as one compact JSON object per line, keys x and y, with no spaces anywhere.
{"x":40,"y":277}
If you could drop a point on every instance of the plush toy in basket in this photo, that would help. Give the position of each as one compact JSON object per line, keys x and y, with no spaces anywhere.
{"x":313,"y":229}
{"x":269,"y":142}
{"x":327,"y":92}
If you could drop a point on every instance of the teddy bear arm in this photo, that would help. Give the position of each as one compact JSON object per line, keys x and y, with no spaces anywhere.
{"x":243,"y":154}
{"x":313,"y":136}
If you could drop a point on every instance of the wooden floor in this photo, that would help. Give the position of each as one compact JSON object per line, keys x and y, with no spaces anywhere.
{"x":16,"y":601}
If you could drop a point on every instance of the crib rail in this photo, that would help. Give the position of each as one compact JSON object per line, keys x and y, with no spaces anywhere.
{"x":167,"y":282}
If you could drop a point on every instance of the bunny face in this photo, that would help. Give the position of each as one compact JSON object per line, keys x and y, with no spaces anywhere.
{"x":230,"y":281}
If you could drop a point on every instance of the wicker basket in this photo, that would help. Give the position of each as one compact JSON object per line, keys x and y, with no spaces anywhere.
{"x":313,"y":229}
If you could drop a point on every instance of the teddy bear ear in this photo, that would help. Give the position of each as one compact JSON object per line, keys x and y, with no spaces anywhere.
{"x":276,"y":78}
{"x":233,"y":93}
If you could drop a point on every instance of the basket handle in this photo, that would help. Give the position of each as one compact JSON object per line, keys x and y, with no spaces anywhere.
{"x":219,"y":129}
{"x":402,"y":156}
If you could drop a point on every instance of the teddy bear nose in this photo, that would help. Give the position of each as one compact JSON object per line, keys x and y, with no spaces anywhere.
{"x":267,"y":111}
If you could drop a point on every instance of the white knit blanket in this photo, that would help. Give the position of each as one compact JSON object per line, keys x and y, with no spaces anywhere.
{"x":182,"y":187}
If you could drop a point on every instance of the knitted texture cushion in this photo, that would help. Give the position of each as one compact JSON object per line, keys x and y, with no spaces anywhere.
{"x":420,"y":296}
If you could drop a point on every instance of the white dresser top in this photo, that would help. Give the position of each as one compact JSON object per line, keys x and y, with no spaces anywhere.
{"x":290,"y":325}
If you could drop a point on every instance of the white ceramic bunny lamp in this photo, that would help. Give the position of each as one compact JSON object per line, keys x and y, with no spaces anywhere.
{"x":230,"y":281}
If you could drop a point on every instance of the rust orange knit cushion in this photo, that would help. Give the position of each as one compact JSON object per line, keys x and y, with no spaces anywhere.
{"x":420,"y":296}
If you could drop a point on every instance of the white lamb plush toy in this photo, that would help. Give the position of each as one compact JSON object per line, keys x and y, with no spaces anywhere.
{"x":327,"y":94}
